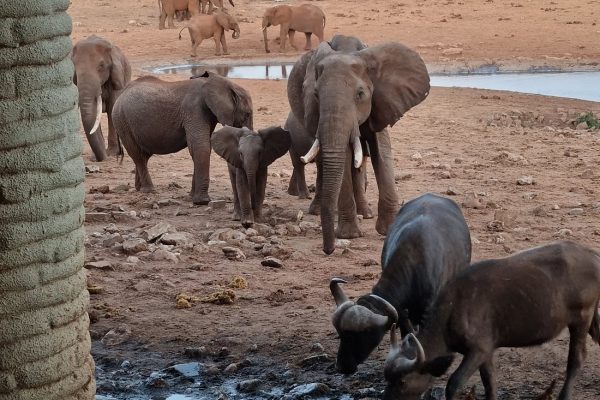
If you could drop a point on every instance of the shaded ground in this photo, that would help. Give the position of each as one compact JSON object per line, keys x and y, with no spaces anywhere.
{"x":475,"y":143}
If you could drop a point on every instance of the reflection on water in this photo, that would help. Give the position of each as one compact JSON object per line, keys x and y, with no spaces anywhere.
{"x":268,"y":71}
{"x":576,"y":85}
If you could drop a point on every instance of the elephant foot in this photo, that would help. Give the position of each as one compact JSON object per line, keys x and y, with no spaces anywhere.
{"x":247,"y":224}
{"x":217,"y":54}
{"x":304,"y":195}
{"x":348,"y":230}
{"x":293,"y":191}
{"x":365,"y":211}
{"x":200,"y":199}
{"x":193,"y":55}
{"x":236,"y":216}
{"x":225,"y":53}
{"x":146,"y":189}
{"x":113,"y":151}
{"x":315,"y":207}
{"x":383,"y":223}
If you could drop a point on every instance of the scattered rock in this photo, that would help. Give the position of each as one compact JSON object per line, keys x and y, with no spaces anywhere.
{"x":97,"y":217}
{"x":576,"y":211}
{"x":111,"y":228}
{"x":92,"y":169}
{"x":195,"y":352}
{"x":248,"y":386}
{"x":238,"y":282}
{"x":104,"y":265}
{"x":317,"y":347}
{"x":452,"y":51}
{"x":370,"y":262}
{"x":133,"y":259}
{"x":565,"y":232}
{"x":452,"y":191}
{"x":309,"y":389}
{"x":316,"y":359}
{"x":416,"y":156}
{"x":189,"y":370}
{"x":233,"y":253}
{"x":472,"y":201}
{"x":124,"y":216}
{"x":402,"y":177}
{"x":217,"y":204}
{"x":250,"y":232}
{"x":231,"y":368}
{"x":539,"y":211}
{"x":307,"y":225}
{"x":133,"y":246}
{"x":112,"y":239}
{"x":165,"y":255}
{"x":228,"y":235}
{"x":272,"y":262}
{"x":156,"y":380}
{"x":182,"y":239}
{"x":525,"y":180}
{"x":342,"y":243}
{"x":116,"y":335}
{"x":94,"y":289}
{"x":508,"y":218}
{"x":155,"y":232}
{"x":100,"y":189}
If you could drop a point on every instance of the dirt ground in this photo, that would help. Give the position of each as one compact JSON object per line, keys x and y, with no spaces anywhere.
{"x":472,"y":145}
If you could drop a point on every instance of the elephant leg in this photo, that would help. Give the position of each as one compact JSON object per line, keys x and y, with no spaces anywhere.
{"x":161,"y":20}
{"x":293,"y":185}
{"x":261,"y":186}
{"x":283,"y":32}
{"x":383,"y":165}
{"x":113,"y":141}
{"x":245,"y":199}
{"x":347,"y":220}
{"x":224,"y":44}
{"x":217,"y":39}
{"x":170,"y":22}
{"x":307,"y":46}
{"x":359,"y":177}
{"x":291,"y":34}
{"x":143,"y":182}
{"x":236,"y":200}
{"x":297,"y":186}
{"x":315,"y":205}
{"x":198,"y":141}
{"x":195,"y":45}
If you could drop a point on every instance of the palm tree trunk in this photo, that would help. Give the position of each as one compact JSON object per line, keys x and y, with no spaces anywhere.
{"x":44,"y":339}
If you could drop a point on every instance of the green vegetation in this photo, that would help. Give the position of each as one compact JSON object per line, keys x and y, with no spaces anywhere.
{"x":589,"y":118}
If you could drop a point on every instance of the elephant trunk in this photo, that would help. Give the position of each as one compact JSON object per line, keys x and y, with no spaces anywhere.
{"x":236,"y":32}
{"x":90,"y":107}
{"x":250,"y":168}
{"x":265,"y":25}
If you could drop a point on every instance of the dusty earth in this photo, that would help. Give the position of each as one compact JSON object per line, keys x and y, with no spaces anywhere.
{"x":471,"y":145}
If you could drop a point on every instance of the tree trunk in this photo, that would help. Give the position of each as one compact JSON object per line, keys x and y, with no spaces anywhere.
{"x":44,"y":339}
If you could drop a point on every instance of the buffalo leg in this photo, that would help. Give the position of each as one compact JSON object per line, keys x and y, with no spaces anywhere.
{"x":578,"y":335}
{"x":470,"y":363}
{"x":487,"y":373}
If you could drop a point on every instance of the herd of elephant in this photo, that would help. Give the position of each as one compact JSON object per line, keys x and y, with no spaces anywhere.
{"x":342,"y":96}
{"x":209,"y":20}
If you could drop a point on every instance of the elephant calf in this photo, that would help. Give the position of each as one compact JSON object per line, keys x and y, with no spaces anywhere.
{"x":212,"y":26}
{"x":248,"y":155}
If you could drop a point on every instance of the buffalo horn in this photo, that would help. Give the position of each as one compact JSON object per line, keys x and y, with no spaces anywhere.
{"x":337,"y":292}
{"x":389,"y":309}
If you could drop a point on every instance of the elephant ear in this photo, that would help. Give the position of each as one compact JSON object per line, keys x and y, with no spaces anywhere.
{"x":276,"y":141}
{"x":222,"y":19}
{"x":120,"y":70}
{"x":229,"y":103}
{"x":225,"y":142}
{"x":400,"y":82}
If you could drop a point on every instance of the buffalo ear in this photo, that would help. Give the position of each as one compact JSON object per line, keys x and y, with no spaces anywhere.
{"x":120,"y":71}
{"x":438,"y":366}
{"x":400,"y":82}
{"x":276,"y":141}
{"x":225,"y":143}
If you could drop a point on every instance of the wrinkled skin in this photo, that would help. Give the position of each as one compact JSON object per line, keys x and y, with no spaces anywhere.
{"x":427,"y":245}
{"x":523,"y":300}
{"x":248,"y":155}
{"x":339,"y":97}
{"x":301,"y":142}
{"x":157,"y":117}
{"x":305,"y":18}
{"x":207,"y":6}
{"x":101,"y":70}
{"x":168,"y":9}
{"x":213,"y":26}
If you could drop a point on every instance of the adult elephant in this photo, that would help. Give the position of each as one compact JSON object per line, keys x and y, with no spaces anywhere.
{"x":342,"y":98}
{"x":101,"y":73}
{"x":156,"y":117}
{"x":168,"y":9}
{"x":206,"y":6}
{"x":305,"y":18}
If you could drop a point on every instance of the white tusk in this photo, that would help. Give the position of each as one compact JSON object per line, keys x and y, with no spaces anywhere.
{"x":358,"y":153}
{"x":98,"y":115}
{"x":312,"y":153}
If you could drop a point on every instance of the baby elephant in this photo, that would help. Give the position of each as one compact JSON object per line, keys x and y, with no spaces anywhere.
{"x":213,"y":25}
{"x":248,"y":155}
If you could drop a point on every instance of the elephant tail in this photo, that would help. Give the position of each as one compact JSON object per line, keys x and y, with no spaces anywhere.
{"x":231,"y":2}
{"x":121,"y":153}
{"x":159,"y":7}
{"x":181,"y":31}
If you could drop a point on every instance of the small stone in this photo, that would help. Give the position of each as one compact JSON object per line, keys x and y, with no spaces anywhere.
{"x":452,"y":51}
{"x":233,"y":253}
{"x":126,"y":364}
{"x":94,"y":289}
{"x":111,"y":228}
{"x":556,"y":207}
{"x":316,"y":359}
{"x":189,"y":370}
{"x":217,"y":204}
{"x":103,"y":265}
{"x":525,"y":180}
{"x":576,"y":211}
{"x":156,"y":380}
{"x":133,"y":259}
{"x":539,"y":211}
{"x":248,"y":386}
{"x":97,"y":217}
{"x":472,"y":201}
{"x":116,"y":335}
{"x":216,"y":243}
{"x":162,"y":254}
{"x":299,"y":216}
{"x":124,"y":216}
{"x":250,"y":232}
{"x":529,"y":196}
{"x":132,"y":22}
{"x":309,"y":389}
{"x":451,"y":191}
{"x":104,"y":189}
{"x":582,"y":126}
{"x":317,"y":347}
{"x":195,"y":352}
{"x":416,"y":156}
{"x":133,"y":246}
{"x":272,"y":262}
{"x":112,"y":239}
{"x":587,"y":174}
{"x":253,"y":348}
{"x":307,"y":225}
{"x":342,"y":243}
{"x":292,"y":229}
{"x":370,"y":262}
{"x":402,"y":177}
{"x":565,"y":232}
{"x":183,"y":239}
{"x":155,"y":232}
{"x":92,"y":169}
{"x":231,"y":368}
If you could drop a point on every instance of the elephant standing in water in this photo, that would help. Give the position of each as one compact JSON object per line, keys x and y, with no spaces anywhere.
{"x":156,"y":117}
{"x":248,"y":155}
{"x":342,"y":99}
{"x":101,"y":73}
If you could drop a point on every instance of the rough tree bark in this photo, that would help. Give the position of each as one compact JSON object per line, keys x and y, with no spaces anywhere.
{"x":44,"y":339}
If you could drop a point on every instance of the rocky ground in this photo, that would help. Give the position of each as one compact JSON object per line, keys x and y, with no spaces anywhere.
{"x":247,"y":310}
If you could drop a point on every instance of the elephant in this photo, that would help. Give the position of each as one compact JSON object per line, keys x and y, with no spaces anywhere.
{"x":44,"y":324}
{"x":168,"y":8}
{"x":101,"y":73}
{"x":156,"y":117}
{"x":343,"y":99}
{"x":213,"y":25}
{"x":248,"y":154}
{"x":206,"y":6}
{"x":305,"y":18}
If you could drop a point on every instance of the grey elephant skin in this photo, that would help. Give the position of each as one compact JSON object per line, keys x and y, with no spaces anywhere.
{"x":101,"y":73}
{"x":341,"y":98}
{"x":427,"y":245}
{"x":156,"y":117}
{"x":305,"y":18}
{"x":248,"y":155}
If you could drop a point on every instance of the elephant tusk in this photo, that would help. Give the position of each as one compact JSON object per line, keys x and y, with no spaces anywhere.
{"x":312,"y":153}
{"x":98,"y":115}
{"x":358,"y":153}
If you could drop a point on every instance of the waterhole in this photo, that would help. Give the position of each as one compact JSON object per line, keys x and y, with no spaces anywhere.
{"x":547,"y":82}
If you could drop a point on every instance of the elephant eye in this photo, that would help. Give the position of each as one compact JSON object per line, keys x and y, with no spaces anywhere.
{"x":361,"y":94}
{"x":101,"y":66}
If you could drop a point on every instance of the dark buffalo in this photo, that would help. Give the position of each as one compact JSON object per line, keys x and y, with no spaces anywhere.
{"x":427,"y":244}
{"x":523,"y":300}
